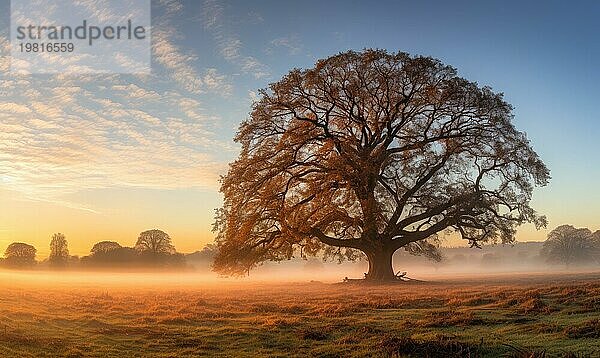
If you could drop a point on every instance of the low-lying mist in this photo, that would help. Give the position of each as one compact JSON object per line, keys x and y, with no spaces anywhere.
{"x":458,"y":263}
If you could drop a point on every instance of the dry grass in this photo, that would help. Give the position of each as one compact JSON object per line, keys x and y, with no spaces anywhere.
{"x":458,"y":318}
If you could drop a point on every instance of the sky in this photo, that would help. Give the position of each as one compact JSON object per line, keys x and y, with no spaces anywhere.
{"x":104,"y":157}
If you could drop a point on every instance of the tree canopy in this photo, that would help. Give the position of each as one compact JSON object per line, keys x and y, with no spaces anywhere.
{"x":59,"y":250}
{"x":373,"y":151}
{"x":154,"y":242}
{"x":104,"y":247}
{"x":569,"y":245}
{"x":20,"y":254}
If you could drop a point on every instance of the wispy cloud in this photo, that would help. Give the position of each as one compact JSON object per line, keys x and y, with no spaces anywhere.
{"x":216,"y":82}
{"x":75,"y":139}
{"x":290,"y":43}
{"x":4,"y":52}
{"x":228,"y":43}
{"x":171,"y":6}
{"x":104,"y":57}
{"x":179,"y":64}
{"x":62,"y":134}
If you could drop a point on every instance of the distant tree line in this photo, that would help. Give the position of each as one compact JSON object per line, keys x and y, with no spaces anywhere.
{"x":153,"y":249}
{"x":566,"y":246}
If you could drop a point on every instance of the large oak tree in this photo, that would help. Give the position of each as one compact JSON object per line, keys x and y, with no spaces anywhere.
{"x":372,"y":152}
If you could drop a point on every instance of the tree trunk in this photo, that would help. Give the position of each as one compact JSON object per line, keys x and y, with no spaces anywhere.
{"x":380,"y":266}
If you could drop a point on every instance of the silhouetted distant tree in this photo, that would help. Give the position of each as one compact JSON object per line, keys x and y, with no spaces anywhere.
{"x":372,"y":152}
{"x":153,"y":260}
{"x":19,"y":254}
{"x":208,"y":252}
{"x":74,"y":260}
{"x":153,"y":249}
{"x":490,"y":259}
{"x":204,"y":257}
{"x":118,"y":257}
{"x":154,"y":242}
{"x":569,"y":245}
{"x":596,"y":238}
{"x":104,"y":247}
{"x":59,"y":250}
{"x":111,"y":254}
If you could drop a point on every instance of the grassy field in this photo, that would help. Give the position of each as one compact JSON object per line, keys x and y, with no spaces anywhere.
{"x":167,"y":318}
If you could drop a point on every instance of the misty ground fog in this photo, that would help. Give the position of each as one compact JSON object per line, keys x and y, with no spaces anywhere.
{"x":500,"y":261}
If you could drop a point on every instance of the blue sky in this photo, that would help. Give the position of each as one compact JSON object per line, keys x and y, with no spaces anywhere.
{"x":102,"y":157}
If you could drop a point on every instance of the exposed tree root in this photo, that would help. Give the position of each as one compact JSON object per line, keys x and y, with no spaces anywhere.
{"x":400,"y":277}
